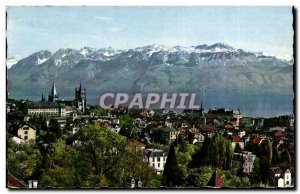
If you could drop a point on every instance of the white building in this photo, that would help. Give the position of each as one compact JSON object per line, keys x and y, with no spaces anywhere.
{"x":27,"y":133}
{"x":244,"y":160}
{"x":156,"y":159}
{"x":198,"y":138}
{"x":284,"y":179}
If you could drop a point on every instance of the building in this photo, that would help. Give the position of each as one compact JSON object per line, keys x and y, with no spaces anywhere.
{"x":138,"y":145}
{"x":285,"y":180}
{"x":156,"y":159}
{"x":237,"y":140}
{"x":198,"y":138}
{"x":27,"y":133}
{"x":46,"y":109}
{"x":52,"y":107}
{"x":80,"y":99}
{"x":173,"y":134}
{"x":244,"y":160}
{"x":53,"y":96}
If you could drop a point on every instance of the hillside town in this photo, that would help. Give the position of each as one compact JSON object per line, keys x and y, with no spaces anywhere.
{"x":56,"y":143}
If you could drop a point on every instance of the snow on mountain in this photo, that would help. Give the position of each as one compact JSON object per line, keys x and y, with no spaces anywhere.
{"x":11,"y":61}
{"x":150,"y":49}
{"x":285,"y":57}
{"x":40,"y":61}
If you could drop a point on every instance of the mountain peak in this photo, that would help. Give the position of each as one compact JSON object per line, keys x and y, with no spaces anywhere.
{"x":221,"y":47}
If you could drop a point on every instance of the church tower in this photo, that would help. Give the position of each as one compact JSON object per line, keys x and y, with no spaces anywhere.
{"x":43,"y":98}
{"x":80,"y":98}
{"x":53,"y":97}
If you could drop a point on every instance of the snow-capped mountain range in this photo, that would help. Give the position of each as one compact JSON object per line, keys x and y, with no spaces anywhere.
{"x":155,"y":68}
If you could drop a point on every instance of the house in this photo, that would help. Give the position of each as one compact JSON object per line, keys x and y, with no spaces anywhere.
{"x":27,"y":133}
{"x":156,"y":159}
{"x":138,"y":144}
{"x":241,"y":133}
{"x":173,"y":134}
{"x":237,"y":140}
{"x":209,"y":128}
{"x":244,"y":160}
{"x":198,"y":138}
{"x":284,"y":179}
{"x":237,"y":115}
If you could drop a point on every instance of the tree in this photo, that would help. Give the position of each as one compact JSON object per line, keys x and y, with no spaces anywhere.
{"x":127,"y":128}
{"x":171,"y":174}
{"x":203,"y":157}
{"x":131,"y":165}
{"x":216,"y":152}
{"x":265,"y":158}
{"x":22,"y":159}
{"x":198,"y":177}
{"x":161,"y":136}
{"x":101,"y":150}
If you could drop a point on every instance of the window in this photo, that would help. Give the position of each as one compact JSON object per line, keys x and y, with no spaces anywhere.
{"x":26,"y":132}
{"x":25,"y":137}
{"x":158,"y":165}
{"x":158,"y":159}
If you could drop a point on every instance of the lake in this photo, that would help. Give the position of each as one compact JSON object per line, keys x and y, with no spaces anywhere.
{"x":267,"y":104}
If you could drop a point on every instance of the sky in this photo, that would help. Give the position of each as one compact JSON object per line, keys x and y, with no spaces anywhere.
{"x":256,"y":29}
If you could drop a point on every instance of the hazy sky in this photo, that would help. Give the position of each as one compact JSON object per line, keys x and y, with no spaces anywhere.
{"x":31,"y":29}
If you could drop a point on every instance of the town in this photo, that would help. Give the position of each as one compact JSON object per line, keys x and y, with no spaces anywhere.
{"x":56,"y":143}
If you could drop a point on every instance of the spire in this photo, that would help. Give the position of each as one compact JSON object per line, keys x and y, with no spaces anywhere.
{"x":43,"y":98}
{"x":53,"y":91}
{"x":80,"y":87}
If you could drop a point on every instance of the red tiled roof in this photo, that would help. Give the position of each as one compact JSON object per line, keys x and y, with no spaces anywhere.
{"x":182,"y":129}
{"x":211,"y":116}
{"x":229,"y":127}
{"x":236,"y":139}
{"x":256,"y":140}
{"x":137,"y":143}
{"x":69,"y":108}
{"x":195,"y":132}
{"x":210,"y":128}
{"x":13,"y":182}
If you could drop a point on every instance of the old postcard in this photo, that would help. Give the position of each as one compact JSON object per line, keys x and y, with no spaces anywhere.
{"x":150,"y":97}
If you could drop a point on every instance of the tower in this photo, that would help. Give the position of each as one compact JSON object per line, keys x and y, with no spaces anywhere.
{"x":43,"y":98}
{"x":80,"y":98}
{"x":53,"y":97}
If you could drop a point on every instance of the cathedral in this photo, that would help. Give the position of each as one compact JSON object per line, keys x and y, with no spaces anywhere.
{"x":80,"y":99}
{"x":79,"y":103}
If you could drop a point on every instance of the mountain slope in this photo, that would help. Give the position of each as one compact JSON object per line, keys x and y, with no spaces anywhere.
{"x":217,"y":67}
